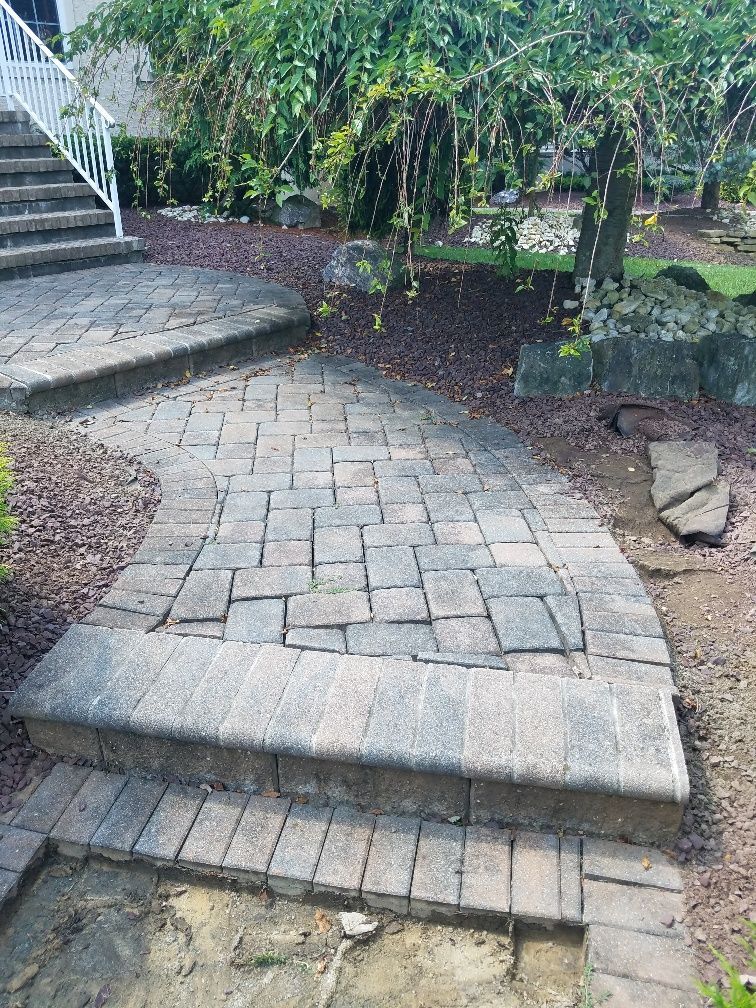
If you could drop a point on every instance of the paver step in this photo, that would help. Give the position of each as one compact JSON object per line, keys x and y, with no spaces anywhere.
{"x":27,"y":230}
{"x":24,"y":145}
{"x":34,"y":193}
{"x":31,"y":171}
{"x":57,"y":257}
{"x":410,"y":737}
{"x":13,"y":122}
{"x":624,"y":896}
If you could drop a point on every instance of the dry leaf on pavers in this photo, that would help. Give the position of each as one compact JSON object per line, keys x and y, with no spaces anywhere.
{"x":646,"y":863}
{"x":323,"y":922}
{"x":301,"y":800}
{"x":375,"y":811}
{"x":270,"y":793}
{"x":321,"y":965}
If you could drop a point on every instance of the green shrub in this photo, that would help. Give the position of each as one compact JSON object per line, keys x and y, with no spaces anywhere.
{"x":150,"y":173}
{"x":7,"y":524}
{"x":732,"y":992}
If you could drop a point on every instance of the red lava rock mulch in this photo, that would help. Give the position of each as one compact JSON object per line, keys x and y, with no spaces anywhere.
{"x":82,"y":511}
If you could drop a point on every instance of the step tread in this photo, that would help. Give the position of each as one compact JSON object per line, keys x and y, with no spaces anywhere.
{"x":478,"y":724}
{"x":51,"y":221}
{"x":23,"y":140}
{"x":404,"y":864}
{"x":59,"y":190}
{"x":29,"y":166}
{"x":62,"y":251}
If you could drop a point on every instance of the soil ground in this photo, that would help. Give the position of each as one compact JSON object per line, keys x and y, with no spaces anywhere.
{"x":101,"y":933}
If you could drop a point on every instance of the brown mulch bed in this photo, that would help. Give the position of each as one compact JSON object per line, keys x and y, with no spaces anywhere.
{"x":82,"y":511}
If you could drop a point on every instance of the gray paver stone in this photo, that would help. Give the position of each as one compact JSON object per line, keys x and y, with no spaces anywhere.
{"x":591,"y":744}
{"x":203,"y":596}
{"x":19,"y":848}
{"x":570,"y":880}
{"x":535,"y":876}
{"x":392,"y":567}
{"x":338,"y":545}
{"x":388,"y":872}
{"x":390,"y":639}
{"x":539,"y":756}
{"x":89,"y":806}
{"x":453,"y":593}
{"x":9,"y":884}
{"x":524,"y":624}
{"x":441,"y":558}
{"x":271,"y":582}
{"x":259,"y":621}
{"x":486,"y":871}
{"x":255,"y":839}
{"x":471,"y":635}
{"x":295,"y":859}
{"x":633,"y":907}
{"x":436,"y":879}
{"x":638,"y":956}
{"x":293,"y":724}
{"x":347,"y":709}
{"x":489,"y":731}
{"x":399,"y":605}
{"x":514,"y":581}
{"x":129,"y":814}
{"x":211,"y":833}
{"x":619,"y":992}
{"x":610,"y":861}
{"x":51,"y":797}
{"x":328,"y":609}
{"x":345,"y":851}
{"x":169,"y":824}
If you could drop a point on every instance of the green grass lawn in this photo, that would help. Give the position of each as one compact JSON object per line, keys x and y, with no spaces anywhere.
{"x":730,"y":280}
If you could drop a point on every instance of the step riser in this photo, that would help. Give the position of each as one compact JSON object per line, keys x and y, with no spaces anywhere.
{"x":27,"y":239}
{"x":12,"y":127}
{"x":37,"y":150}
{"x":11,"y":179}
{"x":393,"y":791}
{"x":126,"y":381}
{"x":66,"y":266}
{"x":33,"y":207}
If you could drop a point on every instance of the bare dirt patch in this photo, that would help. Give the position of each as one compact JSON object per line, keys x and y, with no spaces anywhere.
{"x":707,"y":601}
{"x":126,"y":936}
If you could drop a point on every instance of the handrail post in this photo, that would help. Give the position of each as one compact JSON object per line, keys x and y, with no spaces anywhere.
{"x":115,"y":205}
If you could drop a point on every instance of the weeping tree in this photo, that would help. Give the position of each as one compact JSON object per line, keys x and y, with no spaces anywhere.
{"x":407,"y":108}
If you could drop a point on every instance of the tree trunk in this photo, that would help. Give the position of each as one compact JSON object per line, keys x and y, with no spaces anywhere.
{"x":603,"y":234}
{"x":710,"y":195}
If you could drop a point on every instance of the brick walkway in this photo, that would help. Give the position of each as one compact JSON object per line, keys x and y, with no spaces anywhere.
{"x":314,"y":503}
{"x":56,"y":314}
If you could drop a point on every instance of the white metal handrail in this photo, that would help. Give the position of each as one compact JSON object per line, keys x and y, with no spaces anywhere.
{"x":34,"y":78}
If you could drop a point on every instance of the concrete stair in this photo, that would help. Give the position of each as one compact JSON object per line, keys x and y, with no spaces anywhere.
{"x":49,"y":221}
{"x":477,"y":745}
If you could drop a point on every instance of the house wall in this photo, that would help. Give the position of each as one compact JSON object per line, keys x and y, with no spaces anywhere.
{"x":122,"y":92}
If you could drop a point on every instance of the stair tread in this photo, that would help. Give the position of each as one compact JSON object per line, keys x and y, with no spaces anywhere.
{"x":478,"y":724}
{"x":55,"y":190}
{"x":56,"y":219}
{"x":28,"y":166}
{"x":23,"y":140}
{"x":60,"y":251}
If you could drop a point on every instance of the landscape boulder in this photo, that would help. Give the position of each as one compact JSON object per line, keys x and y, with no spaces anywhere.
{"x":654,"y":369}
{"x":728,"y":367}
{"x":296,"y":211}
{"x":542,"y":372}
{"x":363,"y":264}
{"x":685,"y":276}
{"x":691,"y":499}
